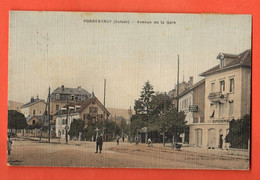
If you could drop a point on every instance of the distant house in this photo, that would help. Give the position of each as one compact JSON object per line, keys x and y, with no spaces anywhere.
{"x":13,"y":105}
{"x":89,"y":111}
{"x":61,"y":95}
{"x":35,"y":120}
{"x":35,"y":107}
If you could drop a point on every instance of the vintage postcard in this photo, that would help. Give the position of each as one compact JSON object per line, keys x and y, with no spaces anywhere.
{"x":129,"y":90}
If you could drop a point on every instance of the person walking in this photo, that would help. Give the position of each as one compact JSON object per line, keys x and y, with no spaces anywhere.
{"x":9,"y":144}
{"x":117,"y":140}
{"x":136,"y":140}
{"x":123,"y":138}
{"x":149,"y":142}
{"x":99,"y":144}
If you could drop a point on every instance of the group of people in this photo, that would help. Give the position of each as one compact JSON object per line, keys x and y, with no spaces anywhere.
{"x":117,"y":139}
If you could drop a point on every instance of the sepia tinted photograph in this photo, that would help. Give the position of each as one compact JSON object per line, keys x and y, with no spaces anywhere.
{"x":129,"y":90}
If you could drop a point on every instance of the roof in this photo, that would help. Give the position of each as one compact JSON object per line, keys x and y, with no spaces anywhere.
{"x":192,"y":87}
{"x":41,"y":118}
{"x":242,"y":59}
{"x":76,"y":91}
{"x":32,"y":102}
{"x":83,"y":105}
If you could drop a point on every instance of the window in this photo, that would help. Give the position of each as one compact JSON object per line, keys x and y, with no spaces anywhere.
{"x":231,"y":85}
{"x":212,"y":87}
{"x":221,"y":110}
{"x":62,"y":132}
{"x":57,"y":107}
{"x":33,"y":122}
{"x":57,"y":96}
{"x":222,"y":86}
{"x":93,"y":110}
{"x":231,"y":108}
{"x":33,"y":112}
{"x":221,"y":63}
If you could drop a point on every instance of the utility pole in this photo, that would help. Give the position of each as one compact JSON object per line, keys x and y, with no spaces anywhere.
{"x":66,"y":128}
{"x":49,"y":115}
{"x":164,"y":117}
{"x":178,"y":85}
{"x":177,"y":95}
{"x":104,"y":109}
{"x":104,"y":92}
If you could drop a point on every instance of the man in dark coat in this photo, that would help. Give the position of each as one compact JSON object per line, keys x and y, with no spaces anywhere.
{"x":99,"y":143}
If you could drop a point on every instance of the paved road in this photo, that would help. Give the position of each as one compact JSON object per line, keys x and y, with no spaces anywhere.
{"x":81,"y":154}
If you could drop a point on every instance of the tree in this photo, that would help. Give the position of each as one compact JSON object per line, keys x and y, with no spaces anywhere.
{"x":172,"y":122}
{"x":143,"y":109}
{"x":137,"y":122}
{"x":16,"y":120}
{"x":76,"y":127}
{"x":111,"y":127}
{"x":239,"y":132}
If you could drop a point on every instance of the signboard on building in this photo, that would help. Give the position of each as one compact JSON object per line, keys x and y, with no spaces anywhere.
{"x":193,"y":108}
{"x":221,"y":121}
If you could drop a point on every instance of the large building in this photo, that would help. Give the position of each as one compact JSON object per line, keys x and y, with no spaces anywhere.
{"x":227,"y":97}
{"x":35,"y":107}
{"x":61,"y":95}
{"x":90,"y":111}
{"x":192,"y":103}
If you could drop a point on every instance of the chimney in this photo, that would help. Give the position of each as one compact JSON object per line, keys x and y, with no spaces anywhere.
{"x":62,"y":87}
{"x":191,"y":80}
{"x":32,"y":99}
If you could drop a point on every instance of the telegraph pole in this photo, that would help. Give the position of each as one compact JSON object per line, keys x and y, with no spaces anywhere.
{"x":66,"y":128}
{"x":104,"y":109}
{"x":104,"y":92}
{"x":178,"y":85}
{"x":49,"y":115}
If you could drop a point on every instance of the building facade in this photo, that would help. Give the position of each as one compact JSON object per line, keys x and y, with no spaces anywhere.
{"x":89,"y":111}
{"x":61,"y":95}
{"x":35,"y":107}
{"x":183,"y":86}
{"x":227,"y":97}
{"x":191,"y":102}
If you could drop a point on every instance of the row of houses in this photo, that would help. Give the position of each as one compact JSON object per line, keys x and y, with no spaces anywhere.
{"x":222,"y":95}
{"x":71,"y":103}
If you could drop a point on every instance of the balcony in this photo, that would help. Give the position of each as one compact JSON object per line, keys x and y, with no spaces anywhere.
{"x":217,"y":97}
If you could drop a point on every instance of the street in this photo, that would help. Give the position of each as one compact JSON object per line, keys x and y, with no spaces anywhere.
{"x":29,"y":152}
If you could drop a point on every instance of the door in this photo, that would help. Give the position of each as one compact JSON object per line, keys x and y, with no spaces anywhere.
{"x":212,"y":138}
{"x":198,"y":137}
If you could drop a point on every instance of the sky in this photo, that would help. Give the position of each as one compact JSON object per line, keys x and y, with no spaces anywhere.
{"x":50,"y":49}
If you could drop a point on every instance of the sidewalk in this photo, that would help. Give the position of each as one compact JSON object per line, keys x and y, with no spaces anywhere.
{"x":233,"y":153}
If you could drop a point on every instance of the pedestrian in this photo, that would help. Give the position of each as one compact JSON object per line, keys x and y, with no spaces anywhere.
{"x":117,"y":140}
{"x":123,"y":138}
{"x":9,"y":144}
{"x":136,"y":140}
{"x":99,"y":144}
{"x":149,"y":142}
